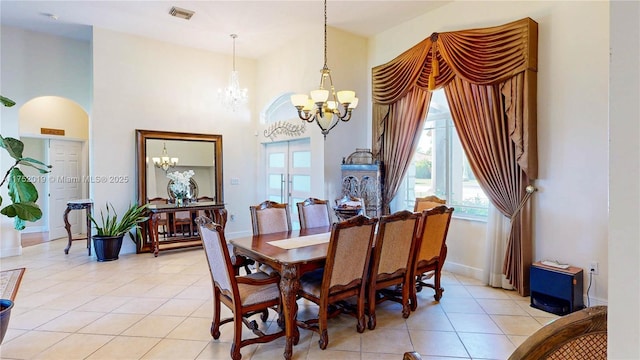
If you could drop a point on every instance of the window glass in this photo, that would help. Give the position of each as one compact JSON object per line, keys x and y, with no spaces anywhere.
{"x":276,"y":160}
{"x":301,"y":183}
{"x":439,"y":166}
{"x":302,"y":159}
{"x":275,"y":181}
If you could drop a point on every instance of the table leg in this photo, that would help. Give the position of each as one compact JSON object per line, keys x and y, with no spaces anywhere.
{"x":289,"y":286}
{"x":68,"y":227}
{"x":155,"y":243}
{"x":88,"y":210}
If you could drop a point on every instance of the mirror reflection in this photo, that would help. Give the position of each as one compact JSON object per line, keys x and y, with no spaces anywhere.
{"x":180,"y":156}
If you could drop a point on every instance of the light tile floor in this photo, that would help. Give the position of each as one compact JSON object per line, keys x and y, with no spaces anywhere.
{"x":141,"y":307}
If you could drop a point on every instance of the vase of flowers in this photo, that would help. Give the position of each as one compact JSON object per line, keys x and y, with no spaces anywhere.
{"x":181,"y":185}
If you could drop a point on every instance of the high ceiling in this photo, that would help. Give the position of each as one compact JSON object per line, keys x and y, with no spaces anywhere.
{"x":261,"y":25}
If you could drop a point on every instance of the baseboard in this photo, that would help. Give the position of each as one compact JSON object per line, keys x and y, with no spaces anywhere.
{"x":34,"y":229}
{"x":595,"y":301}
{"x":463,"y":270}
{"x":12,"y":251}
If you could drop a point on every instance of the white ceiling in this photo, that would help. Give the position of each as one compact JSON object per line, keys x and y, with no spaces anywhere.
{"x":261,"y":25}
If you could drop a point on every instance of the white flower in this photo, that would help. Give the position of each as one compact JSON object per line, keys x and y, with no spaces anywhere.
{"x":180,"y":185}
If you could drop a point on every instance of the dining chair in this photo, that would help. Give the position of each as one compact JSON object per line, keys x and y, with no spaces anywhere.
{"x":219,"y":216}
{"x":393,"y":260}
{"x":576,"y":336}
{"x":183,"y":220}
{"x":162,"y":218}
{"x":314,"y":213}
{"x":270,"y":217}
{"x":427,"y":202}
{"x":343,"y":276}
{"x":434,"y":226}
{"x":245,"y":296}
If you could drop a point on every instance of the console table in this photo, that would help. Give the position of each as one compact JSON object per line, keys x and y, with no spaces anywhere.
{"x":213,"y":210}
{"x":86,"y":204}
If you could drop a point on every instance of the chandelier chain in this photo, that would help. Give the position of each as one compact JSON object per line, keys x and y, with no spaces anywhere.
{"x":234,"y":36}
{"x":325,"y":34}
{"x":325,"y":107}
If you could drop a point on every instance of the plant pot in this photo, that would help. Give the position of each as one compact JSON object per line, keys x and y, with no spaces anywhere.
{"x":5,"y":313}
{"x":107,"y":248}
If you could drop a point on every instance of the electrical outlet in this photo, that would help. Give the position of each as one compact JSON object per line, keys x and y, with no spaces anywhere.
{"x":593,"y":268}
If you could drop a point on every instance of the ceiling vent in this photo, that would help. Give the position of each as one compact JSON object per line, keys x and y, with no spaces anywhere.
{"x":181,"y":13}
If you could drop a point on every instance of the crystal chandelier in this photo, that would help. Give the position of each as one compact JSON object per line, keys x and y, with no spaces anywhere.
{"x":326,"y":113}
{"x":164,"y":162}
{"x":233,"y":95}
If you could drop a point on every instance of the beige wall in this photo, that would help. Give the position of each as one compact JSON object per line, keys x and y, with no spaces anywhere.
{"x":54,"y":112}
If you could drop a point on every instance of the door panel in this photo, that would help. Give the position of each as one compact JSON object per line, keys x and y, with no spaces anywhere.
{"x":289,"y":174}
{"x":65,"y":183}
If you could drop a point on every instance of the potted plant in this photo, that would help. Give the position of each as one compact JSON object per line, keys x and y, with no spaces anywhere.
{"x":110,"y":231}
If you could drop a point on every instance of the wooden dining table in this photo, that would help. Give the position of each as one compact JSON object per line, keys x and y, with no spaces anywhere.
{"x":291,"y":254}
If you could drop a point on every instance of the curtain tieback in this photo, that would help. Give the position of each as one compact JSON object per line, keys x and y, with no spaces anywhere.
{"x":530,"y":189}
{"x":435,"y":68}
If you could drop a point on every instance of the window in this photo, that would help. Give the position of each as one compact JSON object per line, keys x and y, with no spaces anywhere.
{"x":440,"y":167}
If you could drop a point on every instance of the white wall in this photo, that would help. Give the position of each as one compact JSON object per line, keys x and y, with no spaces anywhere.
{"x":570,"y":220}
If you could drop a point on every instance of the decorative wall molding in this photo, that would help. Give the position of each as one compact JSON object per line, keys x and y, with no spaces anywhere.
{"x":284,"y":128}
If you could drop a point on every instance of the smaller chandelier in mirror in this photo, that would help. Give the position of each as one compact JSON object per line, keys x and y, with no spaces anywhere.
{"x":233,"y":95}
{"x":165,"y":162}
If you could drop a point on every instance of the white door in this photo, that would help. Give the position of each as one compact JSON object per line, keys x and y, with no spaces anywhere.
{"x":65,"y":183}
{"x":288,"y":174}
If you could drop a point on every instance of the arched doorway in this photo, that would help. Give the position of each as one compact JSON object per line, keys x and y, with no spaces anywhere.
{"x":56,"y":130}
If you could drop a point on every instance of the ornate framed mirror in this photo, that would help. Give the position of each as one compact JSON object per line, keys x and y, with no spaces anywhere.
{"x":161,"y":152}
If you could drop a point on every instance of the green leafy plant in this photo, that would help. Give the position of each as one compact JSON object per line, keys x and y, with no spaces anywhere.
{"x":110,"y":225}
{"x":22,"y":192}
{"x":6,"y":101}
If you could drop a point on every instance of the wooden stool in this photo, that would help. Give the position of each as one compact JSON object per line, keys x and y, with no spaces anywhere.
{"x":78,"y":205}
